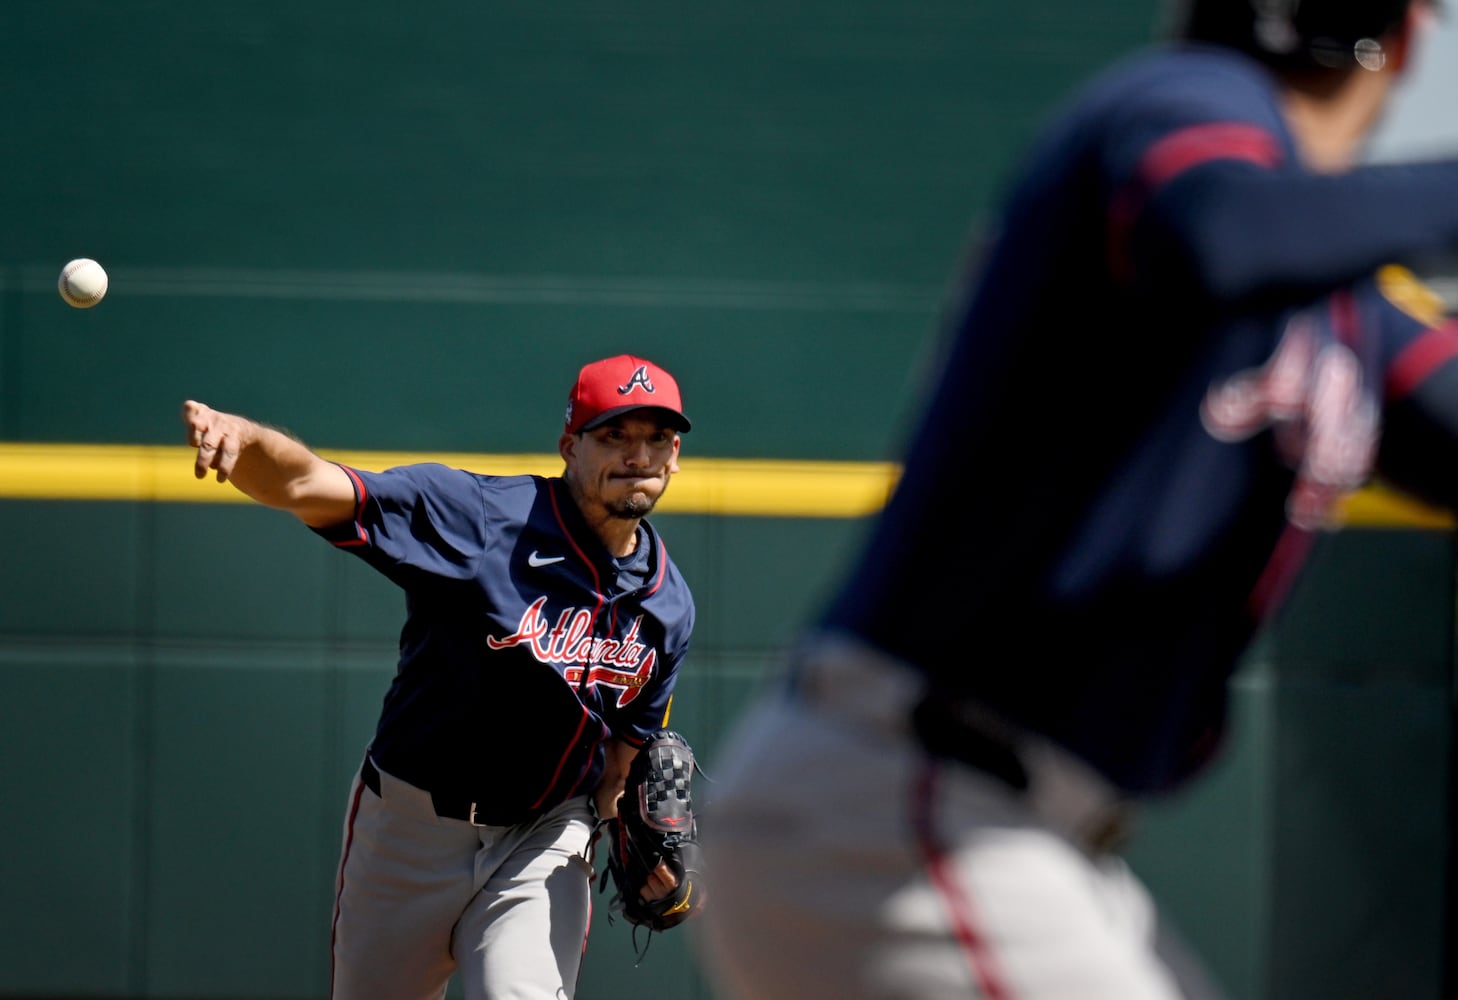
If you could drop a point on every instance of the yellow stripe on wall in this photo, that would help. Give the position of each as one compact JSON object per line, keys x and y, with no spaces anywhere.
{"x":720,"y":486}
{"x":1375,"y":507}
{"x":746,"y":487}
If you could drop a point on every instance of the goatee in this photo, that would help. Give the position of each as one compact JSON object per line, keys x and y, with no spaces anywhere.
{"x":632,"y":508}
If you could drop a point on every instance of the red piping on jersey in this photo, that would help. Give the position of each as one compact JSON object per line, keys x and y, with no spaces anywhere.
{"x":657,"y":582}
{"x":339,"y":879}
{"x":1172,"y":156}
{"x":586,"y":765}
{"x":1421,"y":358}
{"x":662,"y":568}
{"x":567,"y":532}
{"x":591,"y":566}
{"x":360,"y":537}
{"x":1275,"y":582}
{"x":592,"y":628}
{"x":960,"y":911}
{"x":1346,"y":320}
{"x":562,"y":761}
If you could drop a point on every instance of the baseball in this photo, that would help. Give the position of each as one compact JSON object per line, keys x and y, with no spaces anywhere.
{"x":83,"y":283}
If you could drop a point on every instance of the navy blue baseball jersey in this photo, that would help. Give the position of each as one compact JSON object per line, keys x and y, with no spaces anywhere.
{"x":1157,"y":392}
{"x":525,"y":645}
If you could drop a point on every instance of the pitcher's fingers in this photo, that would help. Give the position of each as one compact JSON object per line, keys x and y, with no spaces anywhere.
{"x":225,"y":459}
{"x":207,"y":455}
{"x":196,"y":423}
{"x":194,"y":415}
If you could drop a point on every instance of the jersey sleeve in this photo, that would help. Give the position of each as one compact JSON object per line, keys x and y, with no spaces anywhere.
{"x":1208,"y":201}
{"x":1232,"y":231}
{"x":415,"y":520}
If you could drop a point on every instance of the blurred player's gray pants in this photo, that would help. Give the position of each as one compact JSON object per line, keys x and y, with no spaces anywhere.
{"x":421,"y":896}
{"x":845,"y":862}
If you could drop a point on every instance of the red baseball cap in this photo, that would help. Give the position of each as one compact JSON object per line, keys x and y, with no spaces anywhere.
{"x":616,"y":385}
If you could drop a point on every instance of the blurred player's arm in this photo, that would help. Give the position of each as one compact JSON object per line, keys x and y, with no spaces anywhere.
{"x":1232,"y":226}
{"x":268,"y":465}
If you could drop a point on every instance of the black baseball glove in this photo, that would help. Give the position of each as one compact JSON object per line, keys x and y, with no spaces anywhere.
{"x":655,"y":822}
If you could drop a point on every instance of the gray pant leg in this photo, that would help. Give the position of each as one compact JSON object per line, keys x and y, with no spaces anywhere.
{"x":522,"y":936}
{"x":405,"y":876}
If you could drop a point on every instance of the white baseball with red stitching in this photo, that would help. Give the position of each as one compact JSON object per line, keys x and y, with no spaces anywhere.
{"x":83,"y":283}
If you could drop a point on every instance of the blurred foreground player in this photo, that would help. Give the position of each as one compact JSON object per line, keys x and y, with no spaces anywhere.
{"x":1189,"y":338}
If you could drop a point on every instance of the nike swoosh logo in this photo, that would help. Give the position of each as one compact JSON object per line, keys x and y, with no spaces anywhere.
{"x":536,"y":560}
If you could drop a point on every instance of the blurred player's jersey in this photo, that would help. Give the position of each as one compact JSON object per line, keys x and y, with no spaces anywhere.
{"x":1148,"y":441}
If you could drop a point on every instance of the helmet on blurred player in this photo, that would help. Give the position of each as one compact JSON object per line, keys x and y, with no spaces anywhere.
{"x":1295,"y":34}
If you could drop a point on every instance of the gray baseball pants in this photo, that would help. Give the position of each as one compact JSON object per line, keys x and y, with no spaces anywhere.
{"x":420,"y":897}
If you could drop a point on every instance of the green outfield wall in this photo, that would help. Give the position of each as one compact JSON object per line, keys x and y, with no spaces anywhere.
{"x":397,"y":231}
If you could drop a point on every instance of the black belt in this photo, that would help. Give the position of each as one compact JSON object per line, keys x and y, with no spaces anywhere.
{"x":846,"y":677}
{"x":370,"y":775}
{"x":446,"y":807}
{"x":937,"y":725}
{"x":943,"y":734}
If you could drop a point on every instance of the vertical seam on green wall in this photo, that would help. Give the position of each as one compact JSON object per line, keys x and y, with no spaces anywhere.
{"x":334,"y":690}
{"x":146,"y":690}
{"x":1268,"y":747}
{"x":9,"y":352}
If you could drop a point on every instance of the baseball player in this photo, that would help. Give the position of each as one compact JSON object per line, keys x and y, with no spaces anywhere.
{"x":545,"y":625}
{"x":1189,"y":336}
